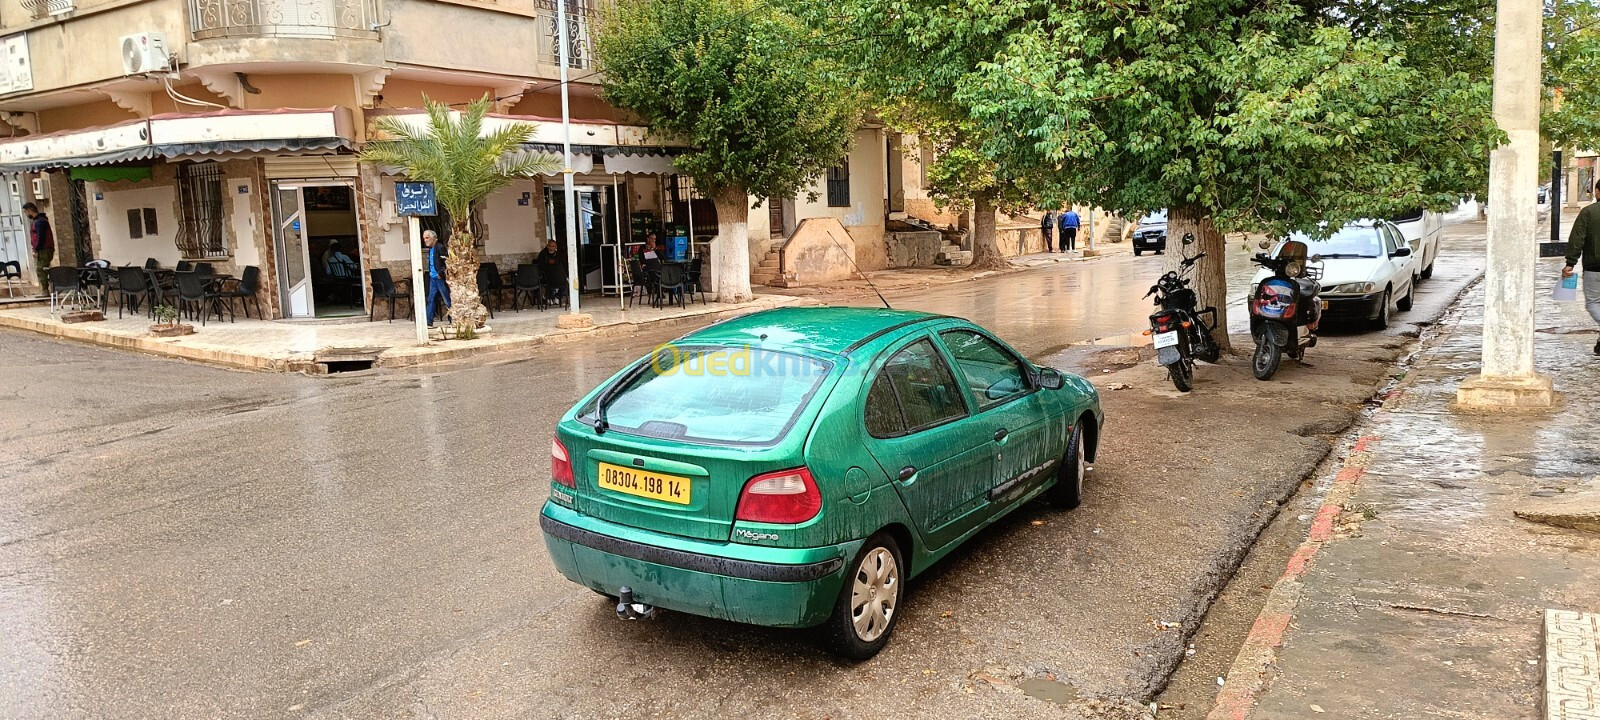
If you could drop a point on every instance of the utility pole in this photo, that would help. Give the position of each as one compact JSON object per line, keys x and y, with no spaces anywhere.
{"x":1507,"y":378}
{"x":573,"y":318}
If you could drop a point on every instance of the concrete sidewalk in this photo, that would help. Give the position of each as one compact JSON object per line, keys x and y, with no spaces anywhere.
{"x":1420,"y":592}
{"x":293,"y":345}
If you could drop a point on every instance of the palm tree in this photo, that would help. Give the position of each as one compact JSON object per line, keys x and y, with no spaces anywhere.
{"x":465,"y":165}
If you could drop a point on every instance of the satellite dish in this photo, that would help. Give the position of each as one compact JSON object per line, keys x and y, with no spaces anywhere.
{"x":132,"y":59}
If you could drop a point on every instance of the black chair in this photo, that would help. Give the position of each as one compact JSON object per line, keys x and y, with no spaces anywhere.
{"x":151,"y":264}
{"x":185,"y":266}
{"x":11,"y":275}
{"x":670,"y":284}
{"x":552,"y":284}
{"x":163,"y":290}
{"x":641,"y":281}
{"x":196,"y":295}
{"x":244,"y":290}
{"x":489,"y":286}
{"x":693,"y":281}
{"x":133,"y":290}
{"x":384,"y":287}
{"x":526,"y":285}
{"x":205,"y":269}
{"x":64,"y":283}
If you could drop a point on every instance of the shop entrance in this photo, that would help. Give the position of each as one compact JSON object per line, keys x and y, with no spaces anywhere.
{"x":597,"y":228}
{"x":320,"y":271}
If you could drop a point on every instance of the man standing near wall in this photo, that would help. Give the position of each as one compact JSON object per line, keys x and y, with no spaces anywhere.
{"x":433,"y":258}
{"x":1069,"y":230}
{"x":1584,"y":242}
{"x":43,"y":242}
{"x":1047,"y":226}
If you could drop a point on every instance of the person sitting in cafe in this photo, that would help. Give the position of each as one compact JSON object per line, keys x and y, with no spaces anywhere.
{"x":550,"y":255}
{"x":552,"y":271}
{"x":650,"y":253}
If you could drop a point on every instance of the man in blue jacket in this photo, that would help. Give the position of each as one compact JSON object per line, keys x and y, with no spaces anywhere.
{"x":1069,"y":230}
{"x":433,"y":258}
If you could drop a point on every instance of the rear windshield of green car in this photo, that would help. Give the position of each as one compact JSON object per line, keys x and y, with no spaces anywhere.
{"x":715,"y":395}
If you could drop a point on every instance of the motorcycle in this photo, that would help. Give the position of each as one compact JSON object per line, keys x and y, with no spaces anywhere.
{"x":1181,"y":334}
{"x":1285,"y":308}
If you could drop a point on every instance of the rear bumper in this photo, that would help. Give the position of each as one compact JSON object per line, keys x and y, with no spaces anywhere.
{"x":787,"y":588}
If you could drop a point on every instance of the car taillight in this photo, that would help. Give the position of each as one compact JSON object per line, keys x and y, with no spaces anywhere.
{"x":784,"y":497}
{"x":561,"y":464}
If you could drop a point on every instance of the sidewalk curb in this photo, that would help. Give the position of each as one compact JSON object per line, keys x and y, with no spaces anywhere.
{"x":1252,"y":670}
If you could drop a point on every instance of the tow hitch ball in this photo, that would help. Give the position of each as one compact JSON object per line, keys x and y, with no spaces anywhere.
{"x":627,"y":609}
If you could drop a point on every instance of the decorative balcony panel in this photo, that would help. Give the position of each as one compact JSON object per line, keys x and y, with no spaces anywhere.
{"x":51,"y":8}
{"x":282,"y":18}
{"x":580,"y":15}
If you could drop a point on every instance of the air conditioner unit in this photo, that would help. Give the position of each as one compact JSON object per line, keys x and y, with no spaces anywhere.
{"x":145,"y":52}
{"x":41,"y":188}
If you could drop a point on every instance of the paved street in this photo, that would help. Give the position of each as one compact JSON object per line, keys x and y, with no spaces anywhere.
{"x":182,"y":541}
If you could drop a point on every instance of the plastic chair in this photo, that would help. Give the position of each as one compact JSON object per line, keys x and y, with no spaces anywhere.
{"x":552,"y":284}
{"x":670,"y":283}
{"x":244,"y":290}
{"x":693,"y":281}
{"x":185,"y":266}
{"x":64,"y":285}
{"x":133,"y":290}
{"x":11,"y":274}
{"x":640,"y":281}
{"x":196,"y":296}
{"x":526,"y":285}
{"x":489,"y":285}
{"x":151,"y":264}
{"x":384,"y":287}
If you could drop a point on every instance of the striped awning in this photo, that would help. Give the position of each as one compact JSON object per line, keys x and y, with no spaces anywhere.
{"x":213,"y":135}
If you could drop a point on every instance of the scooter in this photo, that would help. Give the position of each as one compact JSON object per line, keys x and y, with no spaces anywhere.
{"x":1181,"y":334}
{"x":1285,"y":308}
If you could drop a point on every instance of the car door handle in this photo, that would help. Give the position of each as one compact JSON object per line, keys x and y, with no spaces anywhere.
{"x":999,"y":434}
{"x":907,"y":472}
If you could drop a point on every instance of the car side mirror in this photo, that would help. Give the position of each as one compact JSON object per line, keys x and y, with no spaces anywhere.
{"x":1188,"y":238}
{"x":1402,"y":252}
{"x":1050,"y":379}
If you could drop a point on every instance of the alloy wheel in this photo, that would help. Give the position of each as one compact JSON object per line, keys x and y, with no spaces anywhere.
{"x":875,"y":593}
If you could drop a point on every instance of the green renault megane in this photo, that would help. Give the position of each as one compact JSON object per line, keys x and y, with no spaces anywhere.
{"x":795,"y":467}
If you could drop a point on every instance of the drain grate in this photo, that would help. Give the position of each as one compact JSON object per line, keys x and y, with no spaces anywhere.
{"x":346,"y":360}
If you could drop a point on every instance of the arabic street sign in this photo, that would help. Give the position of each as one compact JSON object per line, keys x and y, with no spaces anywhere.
{"x":415,"y":198}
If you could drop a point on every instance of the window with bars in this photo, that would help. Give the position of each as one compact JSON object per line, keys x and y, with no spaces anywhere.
{"x":200,"y":201}
{"x":839,"y":184}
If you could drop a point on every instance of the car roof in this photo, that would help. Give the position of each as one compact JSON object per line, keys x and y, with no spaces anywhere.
{"x":833,"y":330}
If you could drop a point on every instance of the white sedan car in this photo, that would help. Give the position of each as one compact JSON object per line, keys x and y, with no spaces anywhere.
{"x":1368,"y":269}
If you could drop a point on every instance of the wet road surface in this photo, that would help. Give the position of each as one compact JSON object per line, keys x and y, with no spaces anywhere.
{"x":183,"y":541}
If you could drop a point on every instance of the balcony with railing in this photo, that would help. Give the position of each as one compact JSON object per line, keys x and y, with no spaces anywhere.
{"x":49,"y":8}
{"x":580,"y":17}
{"x":282,"y":18}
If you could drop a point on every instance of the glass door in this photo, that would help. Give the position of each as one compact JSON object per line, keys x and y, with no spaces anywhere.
{"x":294,"y":262}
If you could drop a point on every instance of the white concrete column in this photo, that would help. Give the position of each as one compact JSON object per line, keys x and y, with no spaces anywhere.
{"x":1508,"y":377}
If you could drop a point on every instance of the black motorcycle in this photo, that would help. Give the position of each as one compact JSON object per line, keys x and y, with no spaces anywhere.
{"x":1181,"y":334}
{"x":1285,"y":308}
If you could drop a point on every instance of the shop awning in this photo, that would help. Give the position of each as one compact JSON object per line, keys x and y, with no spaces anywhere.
{"x":215,"y":135}
{"x":623,"y":149}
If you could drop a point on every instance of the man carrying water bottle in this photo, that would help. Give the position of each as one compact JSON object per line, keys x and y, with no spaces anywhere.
{"x":1584,"y":242}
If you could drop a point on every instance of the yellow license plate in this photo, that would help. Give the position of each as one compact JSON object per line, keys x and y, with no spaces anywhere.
{"x":1324,"y":304}
{"x":643,"y":483}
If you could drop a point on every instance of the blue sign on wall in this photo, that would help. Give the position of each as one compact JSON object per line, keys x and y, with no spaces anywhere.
{"x":415,"y":198}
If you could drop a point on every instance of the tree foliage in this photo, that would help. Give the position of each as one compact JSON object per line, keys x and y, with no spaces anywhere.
{"x":739,"y":82}
{"x":465,"y":165}
{"x":1572,"y":65}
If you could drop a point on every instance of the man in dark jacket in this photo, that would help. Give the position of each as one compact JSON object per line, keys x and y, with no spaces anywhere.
{"x":434,"y":256}
{"x":43,"y":242}
{"x":1584,"y":243}
{"x":1047,"y":226}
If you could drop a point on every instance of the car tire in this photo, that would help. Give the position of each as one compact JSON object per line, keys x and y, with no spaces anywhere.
{"x":1137,"y":252}
{"x":1405,"y":303}
{"x":1427,"y":272}
{"x":1067,"y":493}
{"x":880,"y":567}
{"x":1381,"y":322}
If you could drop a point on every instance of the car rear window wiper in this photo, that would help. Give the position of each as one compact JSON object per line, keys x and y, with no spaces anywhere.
{"x":600,"y":403}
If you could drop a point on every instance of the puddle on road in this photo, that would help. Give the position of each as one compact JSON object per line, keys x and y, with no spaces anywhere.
{"x":1044,"y":688}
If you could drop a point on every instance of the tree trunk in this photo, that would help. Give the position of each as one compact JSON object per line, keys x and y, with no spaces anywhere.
{"x":461,"y":274}
{"x":986,"y":253}
{"x":1210,"y":279}
{"x":731,"y":273}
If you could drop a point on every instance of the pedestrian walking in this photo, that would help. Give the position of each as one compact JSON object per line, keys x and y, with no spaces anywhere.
{"x":43,"y":242}
{"x":1047,"y":226}
{"x":1584,"y":243}
{"x":1069,"y":230}
{"x":433,"y":257}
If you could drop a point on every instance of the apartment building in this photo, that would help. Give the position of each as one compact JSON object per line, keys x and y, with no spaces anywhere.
{"x":226,"y":131}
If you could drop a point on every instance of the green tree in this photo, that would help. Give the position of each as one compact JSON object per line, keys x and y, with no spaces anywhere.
{"x":1572,"y":65}
{"x":466,"y":164}
{"x":738,"y":81}
{"x":1264,"y":116}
